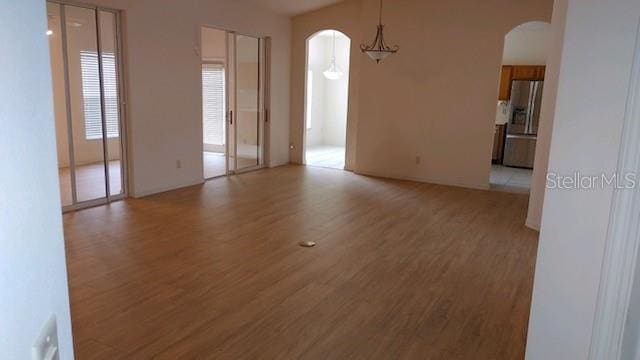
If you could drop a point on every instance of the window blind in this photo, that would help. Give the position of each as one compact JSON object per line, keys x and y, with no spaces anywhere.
{"x":91,"y":94}
{"x":213,"y":103}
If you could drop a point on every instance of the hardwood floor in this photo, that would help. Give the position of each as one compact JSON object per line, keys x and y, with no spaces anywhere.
{"x":402,"y":270}
{"x":90,"y":182}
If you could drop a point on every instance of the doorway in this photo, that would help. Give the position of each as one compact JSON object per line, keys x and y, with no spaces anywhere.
{"x":518,"y":107}
{"x":86,"y":77}
{"x":326,"y":99}
{"x":233,"y":102}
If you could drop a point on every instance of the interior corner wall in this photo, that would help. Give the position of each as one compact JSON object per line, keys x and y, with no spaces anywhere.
{"x":594,"y":82}
{"x":344,"y":17}
{"x":163,"y":68}
{"x":33,"y":273}
{"x":547,"y":112}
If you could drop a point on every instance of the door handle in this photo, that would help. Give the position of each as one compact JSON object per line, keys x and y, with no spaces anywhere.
{"x":230,"y":117}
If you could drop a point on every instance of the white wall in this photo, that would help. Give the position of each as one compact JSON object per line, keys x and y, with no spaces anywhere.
{"x":213,"y":45}
{"x":33,"y":278}
{"x":164,"y":84}
{"x":316,"y":100}
{"x":594,"y":79}
{"x":527,"y":44}
{"x":436,"y":98}
{"x":329,"y":102}
{"x":335,"y":129}
{"x":547,"y":113}
{"x":631,"y":341}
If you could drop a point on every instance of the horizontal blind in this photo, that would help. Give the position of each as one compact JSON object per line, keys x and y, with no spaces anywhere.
{"x":91,"y":94}
{"x":213,"y":104}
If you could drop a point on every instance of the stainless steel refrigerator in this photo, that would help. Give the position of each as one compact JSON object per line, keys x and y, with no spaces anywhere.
{"x":522,"y":128}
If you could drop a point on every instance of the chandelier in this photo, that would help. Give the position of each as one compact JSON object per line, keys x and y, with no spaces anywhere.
{"x":333,"y":72}
{"x":378,"y":50}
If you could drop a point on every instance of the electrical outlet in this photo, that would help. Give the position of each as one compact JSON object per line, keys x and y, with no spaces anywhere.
{"x":178,"y":164}
{"x":46,"y":345}
{"x":418,"y":160}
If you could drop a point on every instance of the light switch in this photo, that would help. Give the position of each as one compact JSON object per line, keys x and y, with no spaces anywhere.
{"x":46,"y":345}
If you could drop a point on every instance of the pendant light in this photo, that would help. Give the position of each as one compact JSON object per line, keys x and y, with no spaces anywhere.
{"x":333,"y":72}
{"x":378,"y":50}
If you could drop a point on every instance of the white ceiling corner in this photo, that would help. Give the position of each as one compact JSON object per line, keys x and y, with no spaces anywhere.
{"x":295,"y":7}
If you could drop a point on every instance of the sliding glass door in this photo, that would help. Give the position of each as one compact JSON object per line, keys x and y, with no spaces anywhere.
{"x":248,"y":102}
{"x":85,"y":71}
{"x":233,"y":83}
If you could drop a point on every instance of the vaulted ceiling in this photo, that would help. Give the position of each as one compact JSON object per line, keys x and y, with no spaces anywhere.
{"x":295,"y":7}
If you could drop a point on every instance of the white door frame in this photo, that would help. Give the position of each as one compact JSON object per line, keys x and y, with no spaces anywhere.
{"x":623,"y":238}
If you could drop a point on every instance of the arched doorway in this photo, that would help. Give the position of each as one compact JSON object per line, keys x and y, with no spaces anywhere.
{"x":326,"y":99}
{"x":519,"y":106}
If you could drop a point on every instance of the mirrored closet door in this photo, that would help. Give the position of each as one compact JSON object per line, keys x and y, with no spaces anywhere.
{"x":233,"y":106}
{"x":248,"y":104}
{"x":85,"y":63}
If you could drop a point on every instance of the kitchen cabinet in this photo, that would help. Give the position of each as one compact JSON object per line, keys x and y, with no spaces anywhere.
{"x":518,"y":72}
{"x":505,"y":83}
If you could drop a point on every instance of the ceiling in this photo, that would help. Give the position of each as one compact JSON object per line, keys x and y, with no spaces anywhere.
{"x":295,"y":7}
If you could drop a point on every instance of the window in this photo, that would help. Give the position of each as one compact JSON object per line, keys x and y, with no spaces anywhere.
{"x":309,"y":98}
{"x":213,"y":105}
{"x":91,"y":94}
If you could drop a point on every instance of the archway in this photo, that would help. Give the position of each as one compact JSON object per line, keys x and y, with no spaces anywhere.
{"x":518,"y":107}
{"x":326,"y":99}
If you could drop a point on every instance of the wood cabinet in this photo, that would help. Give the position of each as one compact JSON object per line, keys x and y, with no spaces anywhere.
{"x":528,"y":73}
{"x":518,"y":72}
{"x":505,"y":83}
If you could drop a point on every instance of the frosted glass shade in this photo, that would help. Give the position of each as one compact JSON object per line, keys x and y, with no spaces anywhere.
{"x":333,"y":72}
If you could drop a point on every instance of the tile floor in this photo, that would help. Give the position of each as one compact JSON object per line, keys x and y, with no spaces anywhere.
{"x":504,"y":178}
{"x":213,"y":165}
{"x":326,"y":156}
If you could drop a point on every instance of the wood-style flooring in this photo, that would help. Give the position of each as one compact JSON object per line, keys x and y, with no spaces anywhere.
{"x":90,"y":182}
{"x":401,"y":270}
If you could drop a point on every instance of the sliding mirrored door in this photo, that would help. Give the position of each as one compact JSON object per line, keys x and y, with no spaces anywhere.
{"x":85,"y":65}
{"x":112,"y":112}
{"x":233,"y":93}
{"x":214,"y":102}
{"x":248,"y":102}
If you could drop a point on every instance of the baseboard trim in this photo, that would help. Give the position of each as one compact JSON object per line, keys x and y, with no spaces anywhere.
{"x":425,"y":180}
{"x":149,"y":192}
{"x":533,"y":225}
